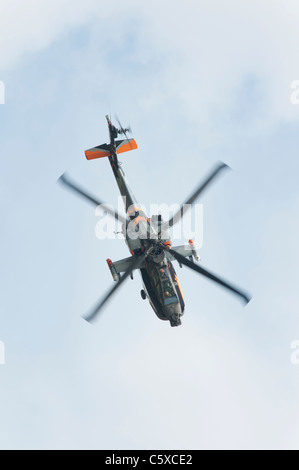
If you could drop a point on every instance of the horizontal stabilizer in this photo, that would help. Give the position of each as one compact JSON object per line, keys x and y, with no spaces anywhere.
{"x":104,"y":150}
{"x":98,"y":152}
{"x":125,"y":145}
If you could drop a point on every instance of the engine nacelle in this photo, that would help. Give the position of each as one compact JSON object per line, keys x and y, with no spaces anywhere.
{"x":194,"y":251}
{"x":113,"y":271}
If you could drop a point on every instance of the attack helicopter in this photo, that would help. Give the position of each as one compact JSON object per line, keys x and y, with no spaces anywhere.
{"x":148,"y":239}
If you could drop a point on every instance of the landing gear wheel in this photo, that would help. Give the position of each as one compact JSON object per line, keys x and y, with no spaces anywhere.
{"x":143,"y":294}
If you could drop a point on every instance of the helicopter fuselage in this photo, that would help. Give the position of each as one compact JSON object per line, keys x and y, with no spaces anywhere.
{"x":148,"y":239}
{"x":161,"y":285}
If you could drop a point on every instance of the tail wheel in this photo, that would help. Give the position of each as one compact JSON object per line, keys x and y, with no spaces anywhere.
{"x":143,"y":294}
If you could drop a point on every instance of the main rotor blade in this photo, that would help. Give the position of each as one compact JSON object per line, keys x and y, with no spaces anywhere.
{"x":124,"y":131}
{"x":219,"y":167}
{"x":97,"y":202}
{"x":135,"y":264}
{"x":246,"y":298}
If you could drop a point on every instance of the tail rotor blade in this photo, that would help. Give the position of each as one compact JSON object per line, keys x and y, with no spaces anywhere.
{"x":123,"y":130}
{"x":204,"y":272}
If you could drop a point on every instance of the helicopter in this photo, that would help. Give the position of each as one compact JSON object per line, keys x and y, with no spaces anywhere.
{"x":148,"y":239}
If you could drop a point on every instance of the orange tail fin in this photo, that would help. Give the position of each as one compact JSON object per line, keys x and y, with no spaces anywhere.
{"x":104,"y":150}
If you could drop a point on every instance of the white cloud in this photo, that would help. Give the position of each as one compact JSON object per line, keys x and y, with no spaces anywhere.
{"x":27,"y":25}
{"x":210,"y":45}
{"x":279,"y":262}
{"x":216,"y":43}
{"x":189,"y":385}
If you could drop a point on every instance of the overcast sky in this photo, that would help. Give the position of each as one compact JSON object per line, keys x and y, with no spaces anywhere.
{"x":199,"y":81}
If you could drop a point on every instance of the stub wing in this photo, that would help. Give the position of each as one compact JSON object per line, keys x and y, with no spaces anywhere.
{"x":122,"y":266}
{"x":104,"y":150}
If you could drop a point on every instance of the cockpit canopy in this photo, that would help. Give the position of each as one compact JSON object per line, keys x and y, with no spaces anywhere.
{"x":164,"y":285}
